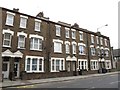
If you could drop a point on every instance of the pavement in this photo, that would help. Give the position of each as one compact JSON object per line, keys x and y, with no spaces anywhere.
{"x":7,"y":83}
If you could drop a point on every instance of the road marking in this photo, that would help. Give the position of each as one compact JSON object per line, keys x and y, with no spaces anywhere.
{"x":90,"y":88}
{"x":27,"y":86}
{"x":115,"y":82}
{"x":113,"y":75}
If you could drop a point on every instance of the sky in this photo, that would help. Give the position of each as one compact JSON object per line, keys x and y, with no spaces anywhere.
{"x":89,"y":14}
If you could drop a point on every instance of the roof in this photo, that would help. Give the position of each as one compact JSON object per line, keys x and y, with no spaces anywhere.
{"x":58,"y":23}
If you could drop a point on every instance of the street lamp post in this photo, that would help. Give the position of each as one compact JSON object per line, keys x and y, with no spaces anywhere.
{"x":102,"y":26}
{"x":101,"y":53}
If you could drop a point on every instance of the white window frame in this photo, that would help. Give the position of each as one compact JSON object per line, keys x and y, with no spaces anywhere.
{"x":92,"y":39}
{"x":81,"y":35}
{"x":73,"y":33}
{"x":107,"y":53}
{"x":83,"y":50}
{"x":58,"y":30}
{"x":101,"y":40}
{"x":67,"y":32}
{"x":85,"y":64}
{"x":106,"y":44}
{"x":74,"y":47}
{"x":61,"y":67}
{"x":11,"y":19}
{"x":25,"y":36}
{"x":10,"y":32}
{"x":31,"y":58}
{"x":60,"y":42}
{"x":23,"y":24}
{"x":97,"y":38}
{"x":94,"y":65}
{"x":93,"y":53}
{"x":67,"y":48}
{"x":40,"y":38}
{"x":37,"y":25}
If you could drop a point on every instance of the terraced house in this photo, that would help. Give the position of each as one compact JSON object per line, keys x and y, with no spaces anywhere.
{"x":33,"y":47}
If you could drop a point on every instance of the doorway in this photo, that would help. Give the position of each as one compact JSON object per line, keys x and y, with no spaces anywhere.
{"x":5,"y":69}
{"x":16,"y":69}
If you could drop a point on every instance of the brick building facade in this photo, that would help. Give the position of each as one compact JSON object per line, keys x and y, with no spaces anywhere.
{"x":35,"y":47}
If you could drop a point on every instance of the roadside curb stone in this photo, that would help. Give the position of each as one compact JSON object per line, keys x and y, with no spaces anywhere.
{"x":6,"y":84}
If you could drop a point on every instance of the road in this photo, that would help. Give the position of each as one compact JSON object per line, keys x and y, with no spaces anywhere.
{"x":107,"y":81}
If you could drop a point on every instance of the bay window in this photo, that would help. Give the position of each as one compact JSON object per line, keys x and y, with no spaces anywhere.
{"x":34,"y":64}
{"x":57,"y":64}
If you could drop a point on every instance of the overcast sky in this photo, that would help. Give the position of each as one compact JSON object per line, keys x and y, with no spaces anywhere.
{"x":89,"y":14}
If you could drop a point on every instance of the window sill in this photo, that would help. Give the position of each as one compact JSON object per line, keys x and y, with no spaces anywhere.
{"x":94,"y":69}
{"x":7,"y":46}
{"x":73,"y":38}
{"x":57,"y":35}
{"x":67,"y":37}
{"x":67,"y":53}
{"x":81,"y":40}
{"x":58,"y":52}
{"x":34,"y":71}
{"x":37,"y":30}
{"x":55,"y":71}
{"x":35,"y":50}
{"x":20,"y":48}
{"x":82,"y":54}
{"x":22,"y":27}
{"x":9,"y":25}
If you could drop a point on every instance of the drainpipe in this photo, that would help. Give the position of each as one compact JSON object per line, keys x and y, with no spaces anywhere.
{"x":1,"y":76}
{"x":88,"y":51}
{"x":48,"y":50}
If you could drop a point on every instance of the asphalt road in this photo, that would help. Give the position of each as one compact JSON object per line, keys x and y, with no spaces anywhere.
{"x":107,"y":81}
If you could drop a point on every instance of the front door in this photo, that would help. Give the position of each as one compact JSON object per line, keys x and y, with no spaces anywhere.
{"x":5,"y":69}
{"x":16,"y":69}
{"x":68,"y":66}
{"x":73,"y":66}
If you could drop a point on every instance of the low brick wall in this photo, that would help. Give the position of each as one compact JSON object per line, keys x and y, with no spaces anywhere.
{"x":29,"y":76}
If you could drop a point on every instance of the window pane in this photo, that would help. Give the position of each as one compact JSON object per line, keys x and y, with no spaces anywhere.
{"x":57,"y":47}
{"x":67,"y":33}
{"x":35,"y":43}
{"x":40,"y":44}
{"x":31,"y":43}
{"x":81,"y":36}
{"x":73,"y":34}
{"x":40,"y":65}
{"x":57,"y":65}
{"x":7,"y":37}
{"x":57,"y":31}
{"x":61,"y":64}
{"x":23,"y":22}
{"x":34,"y":64}
{"x":74,"y":48}
{"x":9,"y":20}
{"x":53,"y":61}
{"x":67,"y":48}
{"x":37,"y":26}
{"x":28,"y":64}
{"x":6,"y":42}
{"x":21,"y":41}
